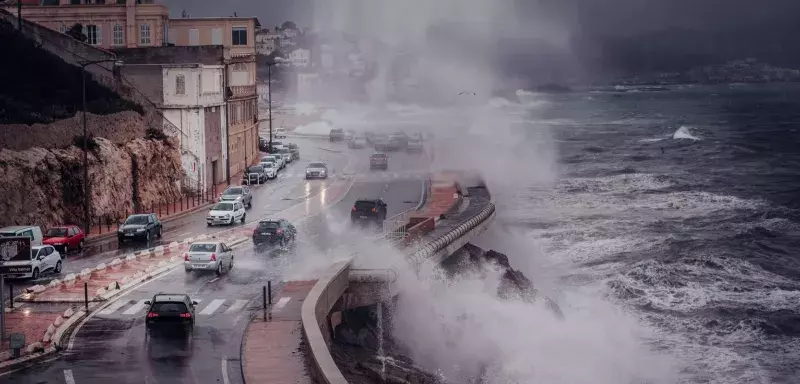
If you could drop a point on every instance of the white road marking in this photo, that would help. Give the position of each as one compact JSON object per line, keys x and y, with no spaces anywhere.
{"x":135,"y":308}
{"x":238,"y":305}
{"x":281,"y":303}
{"x":68,"y":377}
{"x":225,"y":379}
{"x":215,"y":279}
{"x":113,"y":307}
{"x":184,"y":234}
{"x":212,"y":306}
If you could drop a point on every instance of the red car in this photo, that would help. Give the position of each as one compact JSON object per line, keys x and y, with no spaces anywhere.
{"x":65,"y":238}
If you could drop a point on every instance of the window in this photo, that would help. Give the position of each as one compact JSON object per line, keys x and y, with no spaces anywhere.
{"x":194,"y":37}
{"x":144,"y":34}
{"x":180,"y":85}
{"x":94,"y":34}
{"x":216,"y":36}
{"x":171,"y":36}
{"x":239,"y":36}
{"x":119,"y":35}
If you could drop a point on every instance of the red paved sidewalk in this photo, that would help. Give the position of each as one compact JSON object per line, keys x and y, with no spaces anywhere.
{"x":272,"y":350}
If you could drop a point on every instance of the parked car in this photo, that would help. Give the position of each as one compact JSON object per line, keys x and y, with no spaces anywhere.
{"x":34,"y":232}
{"x":208,"y":256}
{"x":286,"y":154}
{"x":414,"y":145}
{"x":43,"y":259}
{"x":357,"y":142}
{"x":395,"y":143}
{"x":380,"y":143}
{"x":379,"y":160}
{"x":270,"y":168}
{"x":65,"y":238}
{"x":274,"y":231}
{"x":400,"y":139}
{"x":317,"y":170}
{"x":278,"y":160}
{"x":279,"y":133}
{"x":170,"y":312}
{"x":254,"y":174}
{"x":226,"y":212}
{"x":263,"y":144}
{"x":295,"y":149}
{"x":239,"y":193}
{"x":140,"y":227}
{"x":337,"y":134}
{"x":368,"y":210}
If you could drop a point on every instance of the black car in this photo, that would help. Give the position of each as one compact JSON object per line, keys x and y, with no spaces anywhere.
{"x":337,"y":134}
{"x":274,"y":231}
{"x":254,"y":174}
{"x":170,"y":313}
{"x":295,"y":150}
{"x":140,"y":227}
{"x":263,"y":144}
{"x":379,"y":161}
{"x":371,"y":210}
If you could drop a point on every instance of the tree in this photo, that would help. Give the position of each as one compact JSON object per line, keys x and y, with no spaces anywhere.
{"x":76,"y":32}
{"x":289,"y":25}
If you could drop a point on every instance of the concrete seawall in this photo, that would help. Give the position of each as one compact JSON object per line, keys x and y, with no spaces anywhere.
{"x":471,"y":219}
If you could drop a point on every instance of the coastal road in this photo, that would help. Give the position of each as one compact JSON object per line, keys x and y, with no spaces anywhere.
{"x":288,"y":189}
{"x":115,"y":337}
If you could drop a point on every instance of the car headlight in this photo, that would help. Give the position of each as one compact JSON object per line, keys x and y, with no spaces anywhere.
{"x":228,"y":216}
{"x":58,"y":244}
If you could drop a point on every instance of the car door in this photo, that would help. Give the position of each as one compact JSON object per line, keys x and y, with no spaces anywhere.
{"x":227,"y":252}
{"x":52,"y":257}
{"x":247,"y":196}
{"x":44,"y":260}
{"x":151,"y":224}
{"x":239,"y":210}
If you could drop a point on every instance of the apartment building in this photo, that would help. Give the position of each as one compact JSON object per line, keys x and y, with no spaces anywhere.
{"x":237,"y":37}
{"x":107,"y":24}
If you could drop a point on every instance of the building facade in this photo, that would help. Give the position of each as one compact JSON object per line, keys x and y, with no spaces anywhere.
{"x":300,"y":58}
{"x":121,"y":24}
{"x":267,"y":42}
{"x":237,"y":37}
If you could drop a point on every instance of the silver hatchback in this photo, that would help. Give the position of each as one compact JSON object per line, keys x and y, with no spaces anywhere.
{"x":208,"y":256}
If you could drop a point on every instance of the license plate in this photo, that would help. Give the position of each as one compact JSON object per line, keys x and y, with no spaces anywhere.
{"x":363,"y":217}
{"x":266,"y":234}
{"x":198,"y":265}
{"x":129,"y":234}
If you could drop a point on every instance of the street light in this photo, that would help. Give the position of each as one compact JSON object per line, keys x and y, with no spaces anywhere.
{"x":86,"y":219}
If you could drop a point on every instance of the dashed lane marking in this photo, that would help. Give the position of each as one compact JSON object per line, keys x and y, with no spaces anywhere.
{"x":113,"y":307}
{"x":237,"y":306}
{"x":68,"y":377}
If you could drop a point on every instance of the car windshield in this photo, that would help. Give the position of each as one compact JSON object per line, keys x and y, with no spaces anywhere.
{"x":293,"y":146}
{"x":203,"y":248}
{"x":223,"y":207}
{"x":56,"y":232}
{"x":337,"y":130}
{"x":365,"y":205}
{"x":378,"y":156}
{"x":268,"y":225}
{"x":137,"y":219}
{"x":169,"y":308}
{"x":268,"y":165}
{"x":284,"y":150}
{"x":232,"y":191}
{"x":268,"y":160}
{"x":316,"y":165}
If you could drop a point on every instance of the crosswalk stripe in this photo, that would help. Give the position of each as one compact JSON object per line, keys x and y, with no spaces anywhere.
{"x":114,"y":307}
{"x":135,"y":308}
{"x":282,"y":303}
{"x":211,"y":307}
{"x":238,"y":305}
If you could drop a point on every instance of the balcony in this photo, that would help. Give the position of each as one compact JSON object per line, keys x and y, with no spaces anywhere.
{"x":239,"y":91}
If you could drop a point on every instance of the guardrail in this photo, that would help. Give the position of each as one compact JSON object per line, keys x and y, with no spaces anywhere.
{"x":332,"y":285}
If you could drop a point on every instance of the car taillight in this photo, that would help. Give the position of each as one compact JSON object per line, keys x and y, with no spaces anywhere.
{"x":213,"y":257}
{"x":354,"y":208}
{"x":151,"y":315}
{"x":186,"y":315}
{"x":186,"y":256}
{"x":374,"y":209}
{"x":279,"y":232}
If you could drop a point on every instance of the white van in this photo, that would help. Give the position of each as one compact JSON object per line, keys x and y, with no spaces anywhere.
{"x":35,"y":233}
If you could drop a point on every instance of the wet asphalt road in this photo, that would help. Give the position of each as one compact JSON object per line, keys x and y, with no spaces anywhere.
{"x":112,"y":347}
{"x":285,"y":191}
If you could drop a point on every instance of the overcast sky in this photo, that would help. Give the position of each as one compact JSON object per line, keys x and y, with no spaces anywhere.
{"x":591,"y":16}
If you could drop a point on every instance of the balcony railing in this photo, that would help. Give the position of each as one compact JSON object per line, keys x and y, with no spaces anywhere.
{"x":236,"y":91}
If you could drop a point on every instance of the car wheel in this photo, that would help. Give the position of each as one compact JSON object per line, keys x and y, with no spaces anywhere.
{"x":80,"y":246}
{"x":35,"y":274}
{"x":58,"y":267}
{"x":233,"y":219}
{"x":250,"y":204}
{"x":244,"y":217}
{"x":230,"y":266}
{"x":219,"y":270}
{"x":159,"y":232}
{"x":147,"y":236}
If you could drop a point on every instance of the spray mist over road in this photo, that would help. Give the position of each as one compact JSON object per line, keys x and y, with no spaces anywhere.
{"x":460,"y":328}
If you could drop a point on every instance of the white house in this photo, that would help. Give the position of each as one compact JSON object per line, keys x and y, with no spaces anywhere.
{"x":300,"y":58}
{"x":267,"y":42}
{"x":193,"y":100}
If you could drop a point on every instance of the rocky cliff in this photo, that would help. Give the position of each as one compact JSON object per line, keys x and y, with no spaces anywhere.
{"x":45,"y":186}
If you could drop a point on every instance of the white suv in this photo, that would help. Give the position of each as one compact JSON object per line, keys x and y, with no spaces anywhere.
{"x":44,"y":258}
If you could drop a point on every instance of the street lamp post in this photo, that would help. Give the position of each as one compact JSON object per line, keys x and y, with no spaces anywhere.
{"x":269,"y":102}
{"x":86,"y":219}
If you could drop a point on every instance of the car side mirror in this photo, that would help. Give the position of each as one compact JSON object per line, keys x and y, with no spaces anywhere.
{"x":194,"y":303}
{"x":147,"y":302}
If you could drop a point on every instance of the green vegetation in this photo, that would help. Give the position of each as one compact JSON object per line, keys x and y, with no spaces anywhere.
{"x":39,"y":87}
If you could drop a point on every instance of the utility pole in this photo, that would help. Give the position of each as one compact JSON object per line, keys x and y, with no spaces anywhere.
{"x":269,"y":101}
{"x":19,"y":15}
{"x":227,"y":134}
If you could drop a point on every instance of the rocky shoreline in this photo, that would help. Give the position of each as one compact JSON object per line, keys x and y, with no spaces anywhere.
{"x":363,"y":347}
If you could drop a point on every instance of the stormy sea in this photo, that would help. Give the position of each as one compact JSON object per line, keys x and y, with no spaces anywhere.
{"x":683,"y":207}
